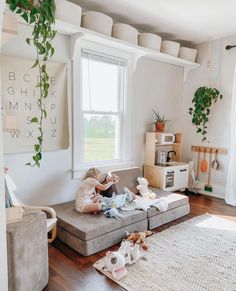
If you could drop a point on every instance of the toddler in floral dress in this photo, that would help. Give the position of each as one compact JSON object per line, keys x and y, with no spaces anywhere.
{"x":88,"y":200}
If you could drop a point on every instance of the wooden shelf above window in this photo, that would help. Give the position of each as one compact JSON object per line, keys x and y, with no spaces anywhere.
{"x":138,"y":51}
{"x":77,"y":32}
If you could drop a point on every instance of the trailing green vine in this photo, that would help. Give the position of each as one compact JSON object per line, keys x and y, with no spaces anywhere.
{"x":41,"y":14}
{"x":203,"y":100}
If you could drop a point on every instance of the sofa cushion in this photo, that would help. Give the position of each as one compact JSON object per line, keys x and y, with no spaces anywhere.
{"x":170,"y":215}
{"x":174,"y":200}
{"x":128,"y":178}
{"x":89,"y":226}
{"x":101,"y":242}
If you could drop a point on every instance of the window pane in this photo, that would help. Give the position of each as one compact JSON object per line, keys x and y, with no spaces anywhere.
{"x":100,"y":85}
{"x":101,"y":137}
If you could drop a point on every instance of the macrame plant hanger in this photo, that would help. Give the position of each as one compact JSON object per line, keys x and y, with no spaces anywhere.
{"x":209,"y":64}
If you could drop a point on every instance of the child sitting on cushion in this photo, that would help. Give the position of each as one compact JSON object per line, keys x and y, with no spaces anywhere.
{"x":88,"y":200}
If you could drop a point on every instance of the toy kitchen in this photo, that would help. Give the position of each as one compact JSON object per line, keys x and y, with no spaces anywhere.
{"x":163,"y":167}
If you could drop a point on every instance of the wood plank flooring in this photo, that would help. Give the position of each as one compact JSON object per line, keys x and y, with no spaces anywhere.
{"x":70,"y":271}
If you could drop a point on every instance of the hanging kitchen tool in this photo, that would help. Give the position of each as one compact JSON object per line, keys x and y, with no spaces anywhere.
{"x":192,"y":177}
{"x":197,"y":179}
{"x":208,"y":187}
{"x":197,"y":184}
{"x":215,"y":163}
{"x":194,"y":184}
{"x":204,"y":162}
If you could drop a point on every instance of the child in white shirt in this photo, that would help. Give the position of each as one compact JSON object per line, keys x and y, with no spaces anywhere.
{"x":88,"y":200}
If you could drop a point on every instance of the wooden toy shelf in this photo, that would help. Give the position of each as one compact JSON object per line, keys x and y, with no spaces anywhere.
{"x":152,"y":145}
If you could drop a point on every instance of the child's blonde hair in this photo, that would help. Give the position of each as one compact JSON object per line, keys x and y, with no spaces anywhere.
{"x":93,"y":173}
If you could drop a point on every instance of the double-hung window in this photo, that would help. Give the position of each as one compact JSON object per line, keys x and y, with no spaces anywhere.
{"x":102,"y":101}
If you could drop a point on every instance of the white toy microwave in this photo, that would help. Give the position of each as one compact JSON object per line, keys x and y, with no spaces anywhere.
{"x":165,"y":138}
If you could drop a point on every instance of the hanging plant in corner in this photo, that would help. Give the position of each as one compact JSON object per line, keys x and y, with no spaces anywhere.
{"x":41,"y":14}
{"x":203,"y":99}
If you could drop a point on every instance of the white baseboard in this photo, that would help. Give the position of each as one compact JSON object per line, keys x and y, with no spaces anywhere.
{"x":218,"y":191}
{"x":212,"y":194}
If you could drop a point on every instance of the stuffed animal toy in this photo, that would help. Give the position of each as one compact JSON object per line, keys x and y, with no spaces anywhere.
{"x":139,"y":238}
{"x":143,"y":189}
{"x":115,"y":262}
{"x":112,"y":213}
{"x":129,"y":252}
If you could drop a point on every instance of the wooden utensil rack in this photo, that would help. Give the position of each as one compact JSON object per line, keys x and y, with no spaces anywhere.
{"x":213,"y":150}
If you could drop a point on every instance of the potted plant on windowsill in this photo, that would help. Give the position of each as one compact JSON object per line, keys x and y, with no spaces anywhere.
{"x":160,"y":121}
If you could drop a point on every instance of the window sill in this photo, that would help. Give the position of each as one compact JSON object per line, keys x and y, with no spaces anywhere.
{"x":79,"y":173}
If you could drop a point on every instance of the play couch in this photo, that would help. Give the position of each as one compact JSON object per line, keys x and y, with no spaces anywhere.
{"x":89,"y":233}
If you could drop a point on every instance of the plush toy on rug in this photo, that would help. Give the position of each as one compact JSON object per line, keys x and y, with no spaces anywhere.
{"x":115,"y":264}
{"x":130,"y":252}
{"x":126,"y":255}
{"x":139,"y":238}
{"x":144,"y":190}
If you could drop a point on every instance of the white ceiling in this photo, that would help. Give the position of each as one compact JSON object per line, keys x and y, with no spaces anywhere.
{"x":189,"y":20}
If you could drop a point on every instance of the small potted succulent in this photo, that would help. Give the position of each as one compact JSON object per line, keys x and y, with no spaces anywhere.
{"x":160,"y":121}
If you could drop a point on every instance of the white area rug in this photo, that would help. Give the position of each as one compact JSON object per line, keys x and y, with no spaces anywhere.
{"x":196,"y":255}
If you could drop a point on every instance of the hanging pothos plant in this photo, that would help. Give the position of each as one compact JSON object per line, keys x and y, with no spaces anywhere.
{"x":41,"y":14}
{"x":203,"y":100}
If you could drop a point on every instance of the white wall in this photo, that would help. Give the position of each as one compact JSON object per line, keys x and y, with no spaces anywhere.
{"x":219,"y":124}
{"x":3,"y":247}
{"x":156,"y":86}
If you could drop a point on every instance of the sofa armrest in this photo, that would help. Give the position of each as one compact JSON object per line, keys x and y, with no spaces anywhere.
{"x":48,"y":210}
{"x":27,"y":250}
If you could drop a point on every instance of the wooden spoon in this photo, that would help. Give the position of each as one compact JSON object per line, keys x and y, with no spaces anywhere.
{"x":204,"y":163}
{"x":198,"y":162}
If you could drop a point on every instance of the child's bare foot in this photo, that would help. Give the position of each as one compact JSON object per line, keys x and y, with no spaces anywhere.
{"x":95,"y":212}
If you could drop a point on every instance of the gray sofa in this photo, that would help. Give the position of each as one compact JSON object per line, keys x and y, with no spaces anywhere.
{"x":89,"y":233}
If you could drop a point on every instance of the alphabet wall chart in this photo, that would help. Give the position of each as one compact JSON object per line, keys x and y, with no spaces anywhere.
{"x":19,"y":98}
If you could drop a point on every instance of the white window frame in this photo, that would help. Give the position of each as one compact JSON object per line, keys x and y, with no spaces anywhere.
{"x":78,"y":166}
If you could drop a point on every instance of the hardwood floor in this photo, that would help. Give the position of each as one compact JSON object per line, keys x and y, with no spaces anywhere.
{"x":70,"y":271}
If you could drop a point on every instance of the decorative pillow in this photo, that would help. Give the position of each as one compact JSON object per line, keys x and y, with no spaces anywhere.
{"x":108,"y":193}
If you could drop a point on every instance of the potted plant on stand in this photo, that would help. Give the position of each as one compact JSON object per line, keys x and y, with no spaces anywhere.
{"x":160,"y":121}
